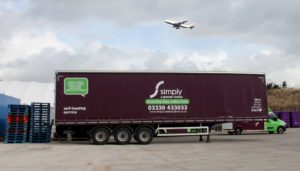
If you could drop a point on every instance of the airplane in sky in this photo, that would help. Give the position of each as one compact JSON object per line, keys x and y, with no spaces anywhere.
{"x":180,"y":24}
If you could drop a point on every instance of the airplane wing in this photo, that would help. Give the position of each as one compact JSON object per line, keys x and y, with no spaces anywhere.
{"x":187,"y":26}
{"x":183,"y":22}
{"x":171,"y":22}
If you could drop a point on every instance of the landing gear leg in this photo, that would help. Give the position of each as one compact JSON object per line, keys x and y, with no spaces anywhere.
{"x":207,"y":139}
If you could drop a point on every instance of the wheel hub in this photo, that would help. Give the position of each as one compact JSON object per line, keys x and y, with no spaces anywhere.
{"x":100,"y":136}
{"x":123,"y":136}
{"x":144,"y":136}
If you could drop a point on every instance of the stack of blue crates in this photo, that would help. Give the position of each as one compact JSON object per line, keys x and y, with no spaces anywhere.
{"x":17,"y":124}
{"x":40,"y":129}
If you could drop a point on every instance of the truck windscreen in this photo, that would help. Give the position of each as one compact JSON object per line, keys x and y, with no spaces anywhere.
{"x":272,"y":116}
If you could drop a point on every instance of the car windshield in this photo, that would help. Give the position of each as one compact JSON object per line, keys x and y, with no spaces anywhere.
{"x":272,"y":116}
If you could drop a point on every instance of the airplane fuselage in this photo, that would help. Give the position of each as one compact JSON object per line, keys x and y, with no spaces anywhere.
{"x":179,"y":25}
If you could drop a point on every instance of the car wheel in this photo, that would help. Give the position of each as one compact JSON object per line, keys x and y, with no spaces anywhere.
{"x":238,"y":131}
{"x":280,"y":130}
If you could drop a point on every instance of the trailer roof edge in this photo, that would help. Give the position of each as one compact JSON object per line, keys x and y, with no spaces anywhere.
{"x":157,"y":71}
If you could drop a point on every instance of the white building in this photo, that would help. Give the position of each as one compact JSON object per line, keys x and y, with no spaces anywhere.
{"x":28,"y":91}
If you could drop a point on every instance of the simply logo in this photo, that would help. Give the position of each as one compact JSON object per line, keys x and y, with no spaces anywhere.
{"x":166,"y":93}
{"x":167,"y":100}
{"x":157,"y":89}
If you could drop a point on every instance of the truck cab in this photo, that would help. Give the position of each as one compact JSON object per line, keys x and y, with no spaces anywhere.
{"x":272,"y":125}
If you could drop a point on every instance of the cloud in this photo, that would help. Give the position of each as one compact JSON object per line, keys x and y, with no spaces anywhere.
{"x":38,"y":62}
{"x":278,"y":66}
{"x":269,"y":22}
{"x":39,"y":37}
{"x":26,"y":43}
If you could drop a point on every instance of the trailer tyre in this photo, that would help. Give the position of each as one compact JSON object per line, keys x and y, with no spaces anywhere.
{"x":280,"y":130}
{"x":135,"y":138}
{"x":144,"y":135}
{"x":100,"y":136}
{"x":238,"y":131}
{"x":122,"y":135}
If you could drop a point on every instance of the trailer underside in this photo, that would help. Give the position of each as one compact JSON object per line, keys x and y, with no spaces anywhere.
{"x":131,"y":128}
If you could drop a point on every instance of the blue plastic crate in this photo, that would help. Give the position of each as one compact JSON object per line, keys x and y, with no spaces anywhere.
{"x":18,"y":109}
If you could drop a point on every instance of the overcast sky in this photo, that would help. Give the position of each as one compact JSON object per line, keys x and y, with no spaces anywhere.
{"x":38,"y":37}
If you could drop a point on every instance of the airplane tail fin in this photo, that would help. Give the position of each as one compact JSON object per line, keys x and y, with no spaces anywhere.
{"x":191,"y":27}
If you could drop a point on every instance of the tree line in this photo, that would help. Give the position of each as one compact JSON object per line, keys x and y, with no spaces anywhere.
{"x":273,"y":85}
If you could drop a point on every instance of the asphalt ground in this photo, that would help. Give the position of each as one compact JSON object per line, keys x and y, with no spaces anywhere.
{"x":248,"y":152}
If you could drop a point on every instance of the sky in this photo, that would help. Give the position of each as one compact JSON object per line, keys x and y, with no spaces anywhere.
{"x":38,"y":37}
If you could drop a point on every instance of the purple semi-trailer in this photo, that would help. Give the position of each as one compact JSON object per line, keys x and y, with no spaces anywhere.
{"x":142,"y":105}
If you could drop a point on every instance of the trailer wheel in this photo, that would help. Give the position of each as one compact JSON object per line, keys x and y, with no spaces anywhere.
{"x":238,"y":131}
{"x":144,"y":135}
{"x":122,"y":135}
{"x":100,"y":136}
{"x":280,"y":130}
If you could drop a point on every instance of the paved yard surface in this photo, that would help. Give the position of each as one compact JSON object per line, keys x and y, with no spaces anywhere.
{"x":251,"y":152}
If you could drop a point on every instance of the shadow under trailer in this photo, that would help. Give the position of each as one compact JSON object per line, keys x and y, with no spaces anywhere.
{"x":143,"y":105}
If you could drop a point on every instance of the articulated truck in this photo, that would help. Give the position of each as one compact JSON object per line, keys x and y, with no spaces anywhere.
{"x":142,"y":105}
